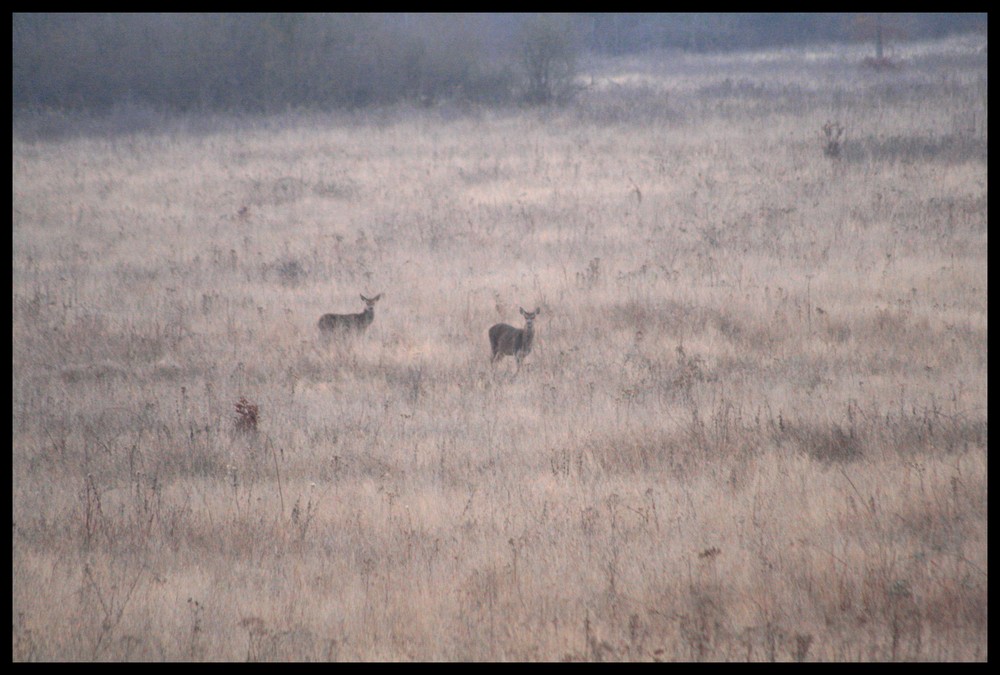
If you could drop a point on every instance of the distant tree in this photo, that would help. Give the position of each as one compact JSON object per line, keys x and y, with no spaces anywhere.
{"x":880,"y":28}
{"x":265,"y":62}
{"x":548,"y":56}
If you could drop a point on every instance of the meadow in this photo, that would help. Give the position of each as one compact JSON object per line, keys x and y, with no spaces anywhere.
{"x":753,"y":426}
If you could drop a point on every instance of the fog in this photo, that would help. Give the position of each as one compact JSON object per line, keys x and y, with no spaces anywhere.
{"x":267,"y":62}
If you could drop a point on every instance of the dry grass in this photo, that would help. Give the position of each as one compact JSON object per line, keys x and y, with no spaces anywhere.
{"x":753,"y":425}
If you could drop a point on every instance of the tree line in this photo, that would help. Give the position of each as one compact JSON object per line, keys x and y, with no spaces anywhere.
{"x":260,"y":62}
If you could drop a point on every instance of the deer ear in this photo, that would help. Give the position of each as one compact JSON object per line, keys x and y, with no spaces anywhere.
{"x":537,"y":310}
{"x":363,"y":298}
{"x":523,"y":313}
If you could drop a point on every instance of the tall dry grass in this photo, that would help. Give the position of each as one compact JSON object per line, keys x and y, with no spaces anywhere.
{"x":753,"y":425}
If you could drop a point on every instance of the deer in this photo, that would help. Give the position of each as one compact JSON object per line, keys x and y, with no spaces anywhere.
{"x":505,"y":340}
{"x":833,"y":132}
{"x":346,"y":324}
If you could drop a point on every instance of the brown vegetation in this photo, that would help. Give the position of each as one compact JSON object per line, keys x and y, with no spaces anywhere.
{"x":754,"y":426}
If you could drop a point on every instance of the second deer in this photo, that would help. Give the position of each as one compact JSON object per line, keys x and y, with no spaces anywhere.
{"x":510,"y":341}
{"x":345,"y":324}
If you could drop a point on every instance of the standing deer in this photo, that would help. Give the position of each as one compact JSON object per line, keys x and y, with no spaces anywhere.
{"x":833,"y":132}
{"x":343,"y":324}
{"x":510,"y":341}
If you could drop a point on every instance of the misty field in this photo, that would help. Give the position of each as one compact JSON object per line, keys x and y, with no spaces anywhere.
{"x":753,"y":425}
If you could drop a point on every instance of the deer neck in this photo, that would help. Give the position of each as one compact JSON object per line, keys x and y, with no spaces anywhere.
{"x":527,"y":337}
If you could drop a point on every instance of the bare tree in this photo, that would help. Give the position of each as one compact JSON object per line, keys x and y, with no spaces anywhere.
{"x":548,"y":54}
{"x":880,"y":28}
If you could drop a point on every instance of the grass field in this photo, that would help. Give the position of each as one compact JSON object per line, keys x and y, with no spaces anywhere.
{"x":753,"y":425}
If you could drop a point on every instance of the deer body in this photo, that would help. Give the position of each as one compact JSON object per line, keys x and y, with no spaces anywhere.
{"x":505,"y":340}
{"x":341,"y":324}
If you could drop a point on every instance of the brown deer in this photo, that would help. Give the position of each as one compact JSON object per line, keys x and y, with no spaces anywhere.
{"x":510,"y":341}
{"x":833,"y":132}
{"x":345,"y":324}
